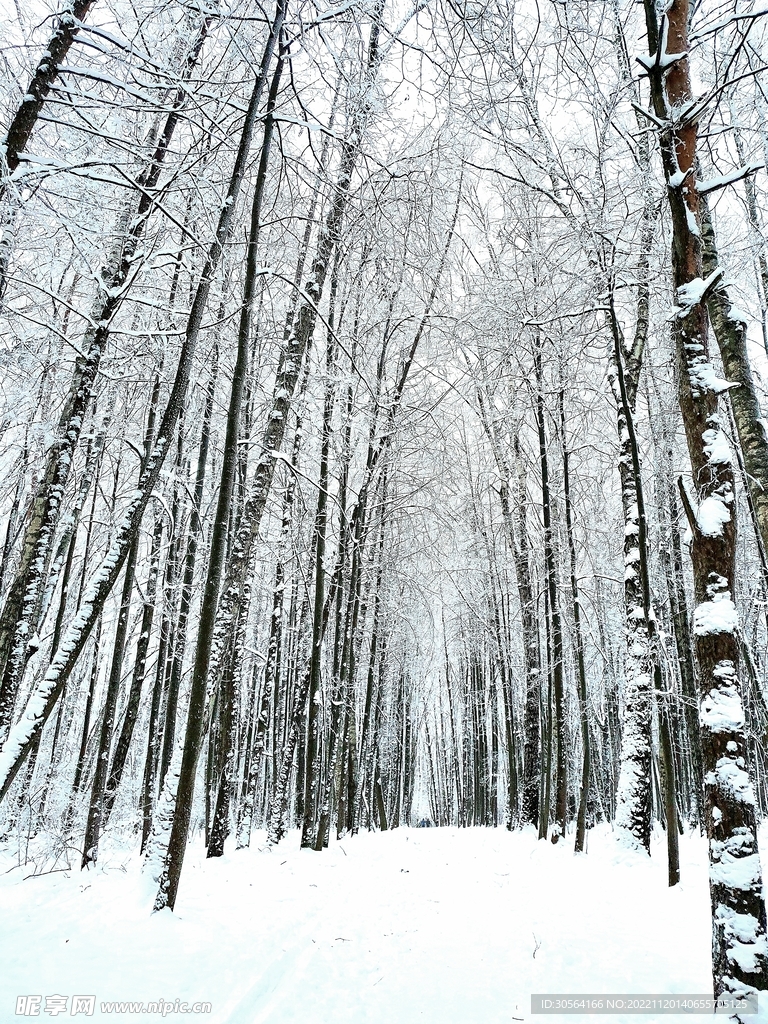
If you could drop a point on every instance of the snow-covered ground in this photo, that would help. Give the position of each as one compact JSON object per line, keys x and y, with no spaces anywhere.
{"x":444,"y":926}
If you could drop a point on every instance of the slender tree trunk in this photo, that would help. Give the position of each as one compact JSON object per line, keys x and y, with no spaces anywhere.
{"x":312,"y":832}
{"x":581,"y":818}
{"x":547,"y":723}
{"x":558,"y":732}
{"x":169,"y":882}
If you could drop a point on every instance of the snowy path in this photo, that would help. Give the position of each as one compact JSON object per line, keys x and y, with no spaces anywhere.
{"x":419,"y":925}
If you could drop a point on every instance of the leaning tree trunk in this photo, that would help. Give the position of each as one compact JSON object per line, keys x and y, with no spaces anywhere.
{"x":25,"y":119}
{"x":46,"y":693}
{"x":19,"y":618}
{"x":739,"y":958}
{"x":169,"y":881}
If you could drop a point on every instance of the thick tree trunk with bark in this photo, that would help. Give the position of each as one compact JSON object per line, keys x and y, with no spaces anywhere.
{"x":739,"y":949}
{"x":633,"y":812}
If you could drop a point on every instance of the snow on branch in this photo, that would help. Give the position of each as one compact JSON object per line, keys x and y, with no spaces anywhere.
{"x":730,"y":19}
{"x":660,"y":60}
{"x":695,"y":291}
{"x":722,"y":180}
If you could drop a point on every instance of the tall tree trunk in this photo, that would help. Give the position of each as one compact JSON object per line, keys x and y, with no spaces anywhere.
{"x":634,"y":814}
{"x":169,"y":882}
{"x":581,"y":817}
{"x":532,"y":754}
{"x":557,"y":734}
{"x":312,"y":832}
{"x":739,"y":960}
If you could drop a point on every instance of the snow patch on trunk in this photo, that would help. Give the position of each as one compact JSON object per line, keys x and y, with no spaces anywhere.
{"x":716,"y":616}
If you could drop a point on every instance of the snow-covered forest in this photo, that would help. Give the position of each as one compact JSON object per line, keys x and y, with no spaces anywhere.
{"x":382,"y":445}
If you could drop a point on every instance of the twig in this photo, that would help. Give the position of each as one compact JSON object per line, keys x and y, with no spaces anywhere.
{"x":690,"y":515}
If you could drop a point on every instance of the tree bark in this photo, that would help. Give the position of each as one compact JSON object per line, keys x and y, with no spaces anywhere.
{"x":739,"y":960}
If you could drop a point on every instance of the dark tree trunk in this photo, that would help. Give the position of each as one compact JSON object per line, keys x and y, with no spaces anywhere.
{"x":557,"y":733}
{"x":169,"y":881}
